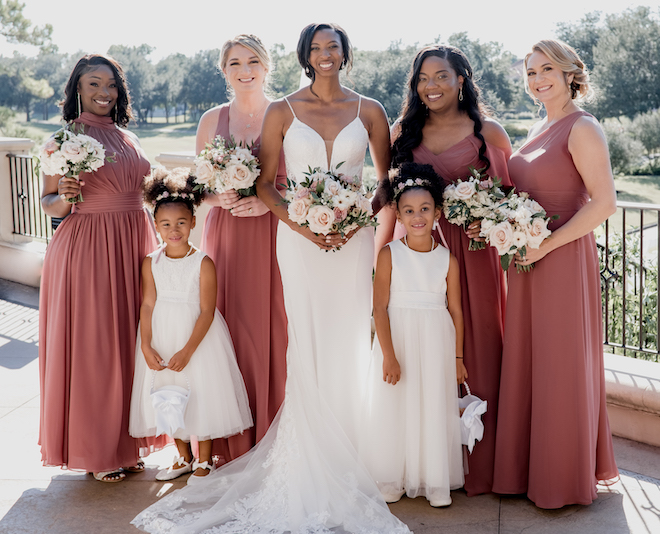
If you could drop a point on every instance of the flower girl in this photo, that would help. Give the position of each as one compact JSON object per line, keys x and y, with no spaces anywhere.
{"x":187,"y":382}
{"x":411,"y":440}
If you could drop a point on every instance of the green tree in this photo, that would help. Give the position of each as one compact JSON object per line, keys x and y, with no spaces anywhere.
{"x":285,"y":72}
{"x":140,"y":74}
{"x":583,"y":36}
{"x":17,"y":29}
{"x":203,"y":83}
{"x":170,"y":72}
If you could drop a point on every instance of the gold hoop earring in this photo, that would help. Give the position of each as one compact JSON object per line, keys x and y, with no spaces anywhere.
{"x":78,"y":104}
{"x":460,"y":94}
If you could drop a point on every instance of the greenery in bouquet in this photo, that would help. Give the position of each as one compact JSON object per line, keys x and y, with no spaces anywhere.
{"x":329,"y":202}
{"x":225,"y":165}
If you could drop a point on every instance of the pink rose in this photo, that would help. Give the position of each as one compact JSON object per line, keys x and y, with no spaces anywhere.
{"x":50,"y":146}
{"x":464,"y":190}
{"x":303,"y":192}
{"x":340,"y":214}
{"x":501,"y":237}
{"x":73,"y":151}
{"x":320,"y":219}
{"x":486,"y":184}
{"x":298,"y":210}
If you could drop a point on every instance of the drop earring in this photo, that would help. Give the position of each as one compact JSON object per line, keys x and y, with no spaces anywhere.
{"x":116,"y":113}
{"x":460,"y":94}
{"x":78,"y":104}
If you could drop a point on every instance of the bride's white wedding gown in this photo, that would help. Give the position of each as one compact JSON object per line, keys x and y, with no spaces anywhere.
{"x":305,"y":475}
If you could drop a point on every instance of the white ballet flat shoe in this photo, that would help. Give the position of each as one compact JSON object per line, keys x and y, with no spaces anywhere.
{"x":441,"y":503}
{"x":171,"y":473}
{"x":393,"y":497}
{"x":194,"y":479}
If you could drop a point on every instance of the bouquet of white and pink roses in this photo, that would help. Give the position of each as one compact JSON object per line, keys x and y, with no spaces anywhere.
{"x":517,"y":223}
{"x":69,"y":154}
{"x":223,"y":165}
{"x":466,"y":201}
{"x":328,"y":202}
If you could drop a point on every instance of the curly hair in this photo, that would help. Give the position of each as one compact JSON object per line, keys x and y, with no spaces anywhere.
{"x":413,"y":111}
{"x":429,"y":180}
{"x":304,"y":48}
{"x":123,"y":112}
{"x":166,"y":187}
{"x":566,"y":58}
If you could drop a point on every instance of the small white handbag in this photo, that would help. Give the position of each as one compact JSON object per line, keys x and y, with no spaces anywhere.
{"x":471,"y":409}
{"x":169,"y":404}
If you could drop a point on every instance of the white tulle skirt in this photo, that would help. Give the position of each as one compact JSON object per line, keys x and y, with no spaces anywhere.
{"x":305,"y":475}
{"x":410,"y":436}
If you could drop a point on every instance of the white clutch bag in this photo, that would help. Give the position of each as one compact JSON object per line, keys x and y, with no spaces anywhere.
{"x":169,"y":404}
{"x":471,"y":409}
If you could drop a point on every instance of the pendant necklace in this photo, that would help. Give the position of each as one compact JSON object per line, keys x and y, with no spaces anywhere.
{"x":405,"y":242}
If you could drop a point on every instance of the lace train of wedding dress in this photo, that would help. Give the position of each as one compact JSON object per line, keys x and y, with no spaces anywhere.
{"x":304,"y":476}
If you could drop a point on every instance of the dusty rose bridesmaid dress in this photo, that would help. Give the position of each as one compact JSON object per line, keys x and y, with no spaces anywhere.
{"x":553,"y":434}
{"x":89,"y":309}
{"x":483,"y":297}
{"x":250,"y":299}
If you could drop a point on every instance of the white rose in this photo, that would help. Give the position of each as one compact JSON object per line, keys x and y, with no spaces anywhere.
{"x":522,"y":215}
{"x":54,"y":164}
{"x":537,"y":231}
{"x":533,"y":206}
{"x":332,"y":188}
{"x":298,"y":210}
{"x":243,"y":155}
{"x":486,"y":226}
{"x":240,"y":176}
{"x":364,"y":204}
{"x":320,"y":219}
{"x":465,"y":190}
{"x":73,"y":151}
{"x":501,"y":237}
{"x":203,"y":171}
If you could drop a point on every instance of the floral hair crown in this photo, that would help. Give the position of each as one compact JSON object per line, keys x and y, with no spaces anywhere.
{"x":410,"y":182}
{"x":167,"y":194}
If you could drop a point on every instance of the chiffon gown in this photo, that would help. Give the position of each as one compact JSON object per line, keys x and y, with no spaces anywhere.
{"x":217,"y":404}
{"x":553,"y":435}
{"x":89,"y":310}
{"x":251,"y":301}
{"x":411,"y":436}
{"x":304,"y":476}
{"x":483,"y":298}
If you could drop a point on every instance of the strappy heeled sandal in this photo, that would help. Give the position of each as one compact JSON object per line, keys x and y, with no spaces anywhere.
{"x":109,"y":476}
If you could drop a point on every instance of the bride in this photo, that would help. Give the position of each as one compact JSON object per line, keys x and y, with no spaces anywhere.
{"x":305,"y":475}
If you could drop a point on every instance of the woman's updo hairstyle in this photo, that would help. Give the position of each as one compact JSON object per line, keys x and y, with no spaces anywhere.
{"x":122,"y":114}
{"x":410,"y":175}
{"x":305,"y":47}
{"x":567,"y":60}
{"x":166,"y":187}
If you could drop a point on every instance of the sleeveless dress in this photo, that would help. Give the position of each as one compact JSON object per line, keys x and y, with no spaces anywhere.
{"x":483,"y":298}
{"x":553,"y":435}
{"x":304,"y":476}
{"x":251,"y":301}
{"x":218,"y":403}
{"x":89,"y":311}
{"x":410,"y":437}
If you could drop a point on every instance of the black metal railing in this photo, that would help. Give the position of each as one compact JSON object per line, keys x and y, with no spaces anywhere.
{"x":629,"y":249}
{"x":29,"y":218}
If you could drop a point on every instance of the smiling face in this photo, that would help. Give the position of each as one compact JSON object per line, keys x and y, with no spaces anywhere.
{"x":326,"y":53}
{"x":546,"y":81}
{"x":417,"y":211}
{"x":174,"y":222}
{"x":244,"y":70}
{"x":438,"y":84}
{"x":98,"y":90}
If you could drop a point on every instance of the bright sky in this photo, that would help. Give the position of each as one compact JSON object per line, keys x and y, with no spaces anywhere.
{"x":193,"y":25}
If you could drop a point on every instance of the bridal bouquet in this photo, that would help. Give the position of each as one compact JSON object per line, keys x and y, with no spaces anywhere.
{"x":69,"y":154}
{"x":517,"y":223}
{"x":466,"y":201}
{"x":224,"y":165}
{"x":329,"y":202}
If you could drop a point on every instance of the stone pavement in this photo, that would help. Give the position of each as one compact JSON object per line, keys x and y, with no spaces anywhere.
{"x":40,"y":500}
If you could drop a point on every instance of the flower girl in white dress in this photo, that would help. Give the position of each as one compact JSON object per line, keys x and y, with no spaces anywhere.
{"x":184,"y":350}
{"x":411,"y":440}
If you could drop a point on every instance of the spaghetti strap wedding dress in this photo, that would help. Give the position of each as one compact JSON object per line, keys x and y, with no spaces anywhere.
{"x":305,"y":475}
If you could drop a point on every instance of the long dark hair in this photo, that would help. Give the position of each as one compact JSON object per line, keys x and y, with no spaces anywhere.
{"x":305,"y":47}
{"x":413,"y":111}
{"x":123,"y":113}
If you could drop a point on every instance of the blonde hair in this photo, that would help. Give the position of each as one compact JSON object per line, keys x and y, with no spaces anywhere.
{"x":249,"y":41}
{"x":567,"y":60}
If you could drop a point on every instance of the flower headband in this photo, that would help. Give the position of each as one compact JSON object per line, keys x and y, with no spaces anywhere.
{"x":402,"y":186}
{"x":166,"y":194}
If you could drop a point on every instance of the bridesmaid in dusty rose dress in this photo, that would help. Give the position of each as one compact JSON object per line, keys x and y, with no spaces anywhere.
{"x":444,"y":124}
{"x":553,"y":435}
{"x":239,"y":236}
{"x":90,"y":287}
